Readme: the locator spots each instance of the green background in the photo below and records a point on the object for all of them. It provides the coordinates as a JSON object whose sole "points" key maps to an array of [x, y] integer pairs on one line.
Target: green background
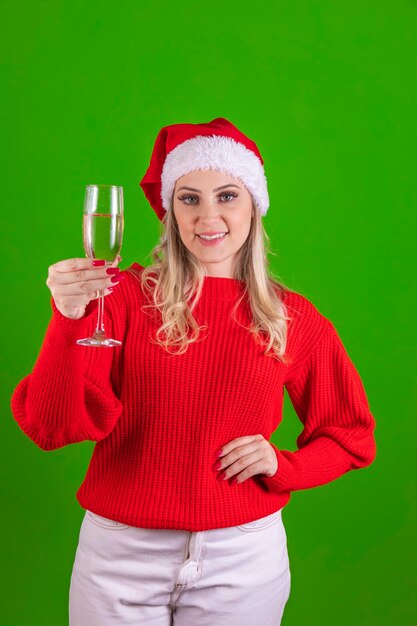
{"points": [[328, 92]]}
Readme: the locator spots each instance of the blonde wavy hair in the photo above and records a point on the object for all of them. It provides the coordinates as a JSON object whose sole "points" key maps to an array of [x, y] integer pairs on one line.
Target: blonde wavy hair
{"points": [[174, 283]]}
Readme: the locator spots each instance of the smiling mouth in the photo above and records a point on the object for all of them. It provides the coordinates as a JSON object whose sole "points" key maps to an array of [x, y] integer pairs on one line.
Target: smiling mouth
{"points": [[212, 237]]}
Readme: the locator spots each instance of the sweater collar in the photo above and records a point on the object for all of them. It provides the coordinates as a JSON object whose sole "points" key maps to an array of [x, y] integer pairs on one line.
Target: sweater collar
{"points": [[220, 288], [217, 288]]}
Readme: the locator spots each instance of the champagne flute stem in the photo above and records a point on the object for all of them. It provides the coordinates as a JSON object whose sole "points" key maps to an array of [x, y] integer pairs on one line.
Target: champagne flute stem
{"points": [[100, 321]]}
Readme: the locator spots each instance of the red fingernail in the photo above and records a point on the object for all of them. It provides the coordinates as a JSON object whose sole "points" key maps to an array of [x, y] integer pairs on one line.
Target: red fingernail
{"points": [[117, 277], [111, 288], [112, 270], [98, 263]]}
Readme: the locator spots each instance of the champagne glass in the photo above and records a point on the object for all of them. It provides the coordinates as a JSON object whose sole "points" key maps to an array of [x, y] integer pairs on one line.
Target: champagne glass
{"points": [[102, 237]]}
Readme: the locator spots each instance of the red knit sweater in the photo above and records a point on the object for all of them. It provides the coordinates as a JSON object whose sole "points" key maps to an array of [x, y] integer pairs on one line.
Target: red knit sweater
{"points": [[159, 419]]}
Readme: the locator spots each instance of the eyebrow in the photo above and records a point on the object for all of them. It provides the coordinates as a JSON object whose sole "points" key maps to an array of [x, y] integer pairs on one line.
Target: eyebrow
{"points": [[217, 189]]}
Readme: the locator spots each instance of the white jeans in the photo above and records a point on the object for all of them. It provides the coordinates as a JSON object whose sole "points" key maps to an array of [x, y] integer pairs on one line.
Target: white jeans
{"points": [[125, 575]]}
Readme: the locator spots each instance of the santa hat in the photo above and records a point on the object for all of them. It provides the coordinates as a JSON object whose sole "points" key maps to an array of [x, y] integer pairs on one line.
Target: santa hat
{"points": [[217, 145]]}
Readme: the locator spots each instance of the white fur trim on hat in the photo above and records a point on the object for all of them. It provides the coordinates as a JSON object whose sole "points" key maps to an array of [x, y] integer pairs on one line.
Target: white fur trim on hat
{"points": [[219, 153]]}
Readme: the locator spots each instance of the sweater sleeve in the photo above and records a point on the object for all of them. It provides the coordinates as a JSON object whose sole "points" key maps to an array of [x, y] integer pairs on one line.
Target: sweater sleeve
{"points": [[329, 398], [68, 397]]}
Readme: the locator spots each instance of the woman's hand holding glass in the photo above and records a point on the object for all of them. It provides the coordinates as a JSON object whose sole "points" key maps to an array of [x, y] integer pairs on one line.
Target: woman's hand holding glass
{"points": [[75, 282]]}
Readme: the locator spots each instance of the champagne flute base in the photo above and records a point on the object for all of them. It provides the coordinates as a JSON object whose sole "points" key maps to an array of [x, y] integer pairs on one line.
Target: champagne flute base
{"points": [[99, 340]]}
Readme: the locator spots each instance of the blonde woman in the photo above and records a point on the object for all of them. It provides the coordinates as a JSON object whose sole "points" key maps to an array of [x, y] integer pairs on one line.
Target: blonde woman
{"points": [[184, 493]]}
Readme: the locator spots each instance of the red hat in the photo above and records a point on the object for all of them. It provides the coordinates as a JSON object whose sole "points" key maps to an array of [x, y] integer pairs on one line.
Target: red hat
{"points": [[218, 145]]}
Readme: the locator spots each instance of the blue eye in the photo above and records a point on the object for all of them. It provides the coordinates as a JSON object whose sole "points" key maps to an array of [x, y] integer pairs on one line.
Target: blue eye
{"points": [[185, 197]]}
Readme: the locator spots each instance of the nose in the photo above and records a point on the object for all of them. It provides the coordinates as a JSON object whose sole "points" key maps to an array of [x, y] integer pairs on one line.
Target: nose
{"points": [[209, 212]]}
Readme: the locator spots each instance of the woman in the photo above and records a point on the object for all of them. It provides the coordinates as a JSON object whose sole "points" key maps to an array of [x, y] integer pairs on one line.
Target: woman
{"points": [[175, 532]]}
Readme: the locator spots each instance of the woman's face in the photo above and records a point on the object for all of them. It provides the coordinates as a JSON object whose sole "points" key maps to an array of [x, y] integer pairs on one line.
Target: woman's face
{"points": [[207, 201]]}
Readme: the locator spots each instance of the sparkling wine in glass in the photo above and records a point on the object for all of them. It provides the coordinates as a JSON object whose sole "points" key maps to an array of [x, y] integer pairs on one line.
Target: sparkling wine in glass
{"points": [[102, 238]]}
